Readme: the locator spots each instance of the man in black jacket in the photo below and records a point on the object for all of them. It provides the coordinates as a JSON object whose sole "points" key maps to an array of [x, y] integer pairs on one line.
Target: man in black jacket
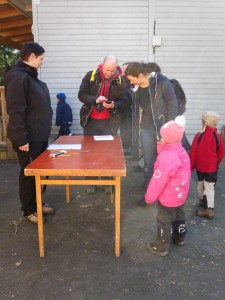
{"points": [[103, 94], [30, 117]]}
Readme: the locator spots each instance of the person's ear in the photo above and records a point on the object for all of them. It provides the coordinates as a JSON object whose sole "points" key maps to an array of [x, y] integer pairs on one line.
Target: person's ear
{"points": [[141, 76], [32, 57]]}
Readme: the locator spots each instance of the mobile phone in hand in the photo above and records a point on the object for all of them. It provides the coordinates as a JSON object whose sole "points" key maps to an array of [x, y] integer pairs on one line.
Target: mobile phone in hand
{"points": [[108, 101]]}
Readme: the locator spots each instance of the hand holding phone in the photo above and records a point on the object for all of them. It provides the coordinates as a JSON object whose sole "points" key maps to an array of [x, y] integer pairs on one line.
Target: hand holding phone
{"points": [[108, 101]]}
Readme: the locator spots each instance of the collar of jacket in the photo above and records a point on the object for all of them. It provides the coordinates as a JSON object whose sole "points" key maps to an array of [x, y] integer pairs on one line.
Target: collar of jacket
{"points": [[162, 146], [20, 65]]}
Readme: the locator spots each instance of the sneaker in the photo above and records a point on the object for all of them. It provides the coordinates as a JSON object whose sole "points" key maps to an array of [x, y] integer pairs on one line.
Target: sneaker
{"points": [[155, 249], [32, 218], [207, 213], [47, 210], [142, 202], [91, 189]]}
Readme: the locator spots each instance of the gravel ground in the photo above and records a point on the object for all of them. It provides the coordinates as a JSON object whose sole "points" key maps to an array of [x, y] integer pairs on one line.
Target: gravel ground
{"points": [[79, 262]]}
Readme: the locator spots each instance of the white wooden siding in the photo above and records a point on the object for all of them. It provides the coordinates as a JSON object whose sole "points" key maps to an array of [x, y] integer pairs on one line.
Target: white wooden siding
{"points": [[192, 51], [77, 35]]}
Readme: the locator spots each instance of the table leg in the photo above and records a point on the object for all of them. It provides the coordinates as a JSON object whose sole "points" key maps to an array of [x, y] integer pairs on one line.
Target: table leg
{"points": [[117, 217], [40, 216], [67, 191], [112, 194]]}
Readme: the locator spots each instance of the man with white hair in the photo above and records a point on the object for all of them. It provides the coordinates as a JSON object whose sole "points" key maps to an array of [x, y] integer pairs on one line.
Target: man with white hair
{"points": [[103, 94]]}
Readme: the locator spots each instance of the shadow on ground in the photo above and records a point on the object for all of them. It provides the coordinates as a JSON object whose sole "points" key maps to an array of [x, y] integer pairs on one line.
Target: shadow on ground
{"points": [[79, 243]]}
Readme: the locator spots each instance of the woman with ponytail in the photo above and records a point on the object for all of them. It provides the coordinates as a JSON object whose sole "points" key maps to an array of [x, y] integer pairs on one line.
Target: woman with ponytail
{"points": [[156, 97]]}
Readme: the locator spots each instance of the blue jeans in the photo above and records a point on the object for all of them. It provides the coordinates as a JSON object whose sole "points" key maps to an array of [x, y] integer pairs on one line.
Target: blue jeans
{"points": [[149, 148]]}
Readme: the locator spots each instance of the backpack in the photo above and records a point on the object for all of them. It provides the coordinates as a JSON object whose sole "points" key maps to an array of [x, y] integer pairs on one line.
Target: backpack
{"points": [[215, 136], [181, 98]]}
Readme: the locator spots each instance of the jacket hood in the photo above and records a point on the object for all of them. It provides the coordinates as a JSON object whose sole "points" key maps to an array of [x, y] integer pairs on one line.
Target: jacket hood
{"points": [[161, 146], [19, 66]]}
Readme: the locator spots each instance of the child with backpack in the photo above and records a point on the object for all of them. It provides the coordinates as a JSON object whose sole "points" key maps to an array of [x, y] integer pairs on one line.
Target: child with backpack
{"points": [[64, 116], [206, 153]]}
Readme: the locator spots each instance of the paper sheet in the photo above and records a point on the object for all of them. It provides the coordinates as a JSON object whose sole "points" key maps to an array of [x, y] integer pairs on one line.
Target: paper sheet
{"points": [[103, 137], [64, 146]]}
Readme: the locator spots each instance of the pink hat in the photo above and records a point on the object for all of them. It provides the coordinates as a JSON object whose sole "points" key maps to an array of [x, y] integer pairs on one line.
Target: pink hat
{"points": [[172, 132]]}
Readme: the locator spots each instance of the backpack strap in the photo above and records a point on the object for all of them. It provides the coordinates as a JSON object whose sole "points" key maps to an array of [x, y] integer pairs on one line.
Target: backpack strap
{"points": [[93, 76], [215, 136]]}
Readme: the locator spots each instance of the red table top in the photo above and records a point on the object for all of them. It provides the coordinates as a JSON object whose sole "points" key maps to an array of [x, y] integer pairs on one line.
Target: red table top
{"points": [[96, 158]]}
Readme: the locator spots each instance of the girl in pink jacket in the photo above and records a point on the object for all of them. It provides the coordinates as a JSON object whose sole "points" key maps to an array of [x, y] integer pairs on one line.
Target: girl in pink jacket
{"points": [[170, 185]]}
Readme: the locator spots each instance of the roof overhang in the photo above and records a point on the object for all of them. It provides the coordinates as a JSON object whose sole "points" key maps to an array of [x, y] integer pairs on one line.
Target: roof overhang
{"points": [[15, 23]]}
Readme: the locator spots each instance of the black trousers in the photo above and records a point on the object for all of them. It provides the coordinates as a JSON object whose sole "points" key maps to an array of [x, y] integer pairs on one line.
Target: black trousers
{"points": [[97, 127], [170, 218], [64, 130], [27, 190]]}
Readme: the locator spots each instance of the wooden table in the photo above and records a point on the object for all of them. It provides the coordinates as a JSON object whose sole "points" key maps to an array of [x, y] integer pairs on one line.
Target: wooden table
{"points": [[96, 158]]}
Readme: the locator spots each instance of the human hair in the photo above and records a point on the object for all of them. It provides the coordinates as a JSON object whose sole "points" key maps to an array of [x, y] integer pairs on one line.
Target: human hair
{"points": [[153, 67], [135, 68], [125, 64], [29, 48], [111, 58]]}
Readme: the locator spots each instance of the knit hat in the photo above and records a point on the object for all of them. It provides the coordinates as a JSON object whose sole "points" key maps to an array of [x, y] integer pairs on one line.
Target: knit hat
{"points": [[172, 132], [61, 96], [210, 118]]}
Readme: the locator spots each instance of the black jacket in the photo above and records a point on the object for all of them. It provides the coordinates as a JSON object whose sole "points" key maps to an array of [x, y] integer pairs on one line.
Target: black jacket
{"points": [[88, 93], [163, 102], [28, 105]]}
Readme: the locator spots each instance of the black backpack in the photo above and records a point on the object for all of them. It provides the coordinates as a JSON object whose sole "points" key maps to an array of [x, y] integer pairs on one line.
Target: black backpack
{"points": [[181, 98]]}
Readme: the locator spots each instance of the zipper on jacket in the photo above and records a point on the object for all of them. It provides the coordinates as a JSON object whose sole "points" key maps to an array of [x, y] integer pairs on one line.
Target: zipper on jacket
{"points": [[150, 94], [87, 117]]}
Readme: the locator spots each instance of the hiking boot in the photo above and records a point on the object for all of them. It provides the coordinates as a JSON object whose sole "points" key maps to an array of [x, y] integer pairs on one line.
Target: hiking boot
{"points": [[207, 213], [142, 202], [47, 209], [91, 189], [32, 218], [159, 247]]}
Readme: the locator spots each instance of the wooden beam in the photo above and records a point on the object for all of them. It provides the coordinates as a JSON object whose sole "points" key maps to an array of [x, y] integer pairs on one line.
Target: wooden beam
{"points": [[19, 5], [15, 32], [3, 1], [9, 43], [24, 38], [28, 7], [15, 24], [7, 13]]}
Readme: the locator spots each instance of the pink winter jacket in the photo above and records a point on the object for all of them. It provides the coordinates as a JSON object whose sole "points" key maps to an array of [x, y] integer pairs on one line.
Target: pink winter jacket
{"points": [[171, 179]]}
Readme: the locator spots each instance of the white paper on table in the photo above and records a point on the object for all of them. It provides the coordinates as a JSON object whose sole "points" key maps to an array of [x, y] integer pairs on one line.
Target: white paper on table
{"points": [[64, 146], [103, 137]]}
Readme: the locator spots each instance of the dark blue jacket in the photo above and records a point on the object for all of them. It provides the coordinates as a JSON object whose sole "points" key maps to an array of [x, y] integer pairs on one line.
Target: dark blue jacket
{"points": [[64, 116]]}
